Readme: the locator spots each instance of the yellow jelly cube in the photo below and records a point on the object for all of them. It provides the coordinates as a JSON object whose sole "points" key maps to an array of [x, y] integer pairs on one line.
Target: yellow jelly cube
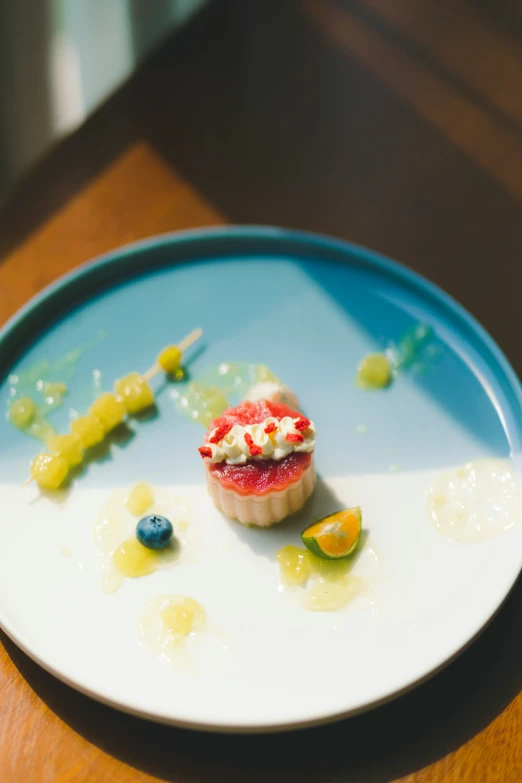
{"points": [[67, 446], [170, 358], [374, 372], [89, 429], [109, 409], [294, 565], [135, 392], [54, 389], [21, 412], [49, 470], [133, 559], [181, 616], [139, 499]]}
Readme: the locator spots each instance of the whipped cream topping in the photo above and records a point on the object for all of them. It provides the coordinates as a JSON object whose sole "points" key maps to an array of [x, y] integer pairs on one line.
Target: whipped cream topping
{"points": [[271, 439], [276, 392]]}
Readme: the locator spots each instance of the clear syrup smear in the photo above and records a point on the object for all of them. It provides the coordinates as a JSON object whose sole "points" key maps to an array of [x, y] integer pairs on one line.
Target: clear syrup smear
{"points": [[119, 554], [169, 626], [476, 502], [216, 388], [320, 585]]}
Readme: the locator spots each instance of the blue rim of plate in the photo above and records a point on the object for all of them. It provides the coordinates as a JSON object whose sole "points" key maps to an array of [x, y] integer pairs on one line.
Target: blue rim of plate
{"points": [[169, 249]]}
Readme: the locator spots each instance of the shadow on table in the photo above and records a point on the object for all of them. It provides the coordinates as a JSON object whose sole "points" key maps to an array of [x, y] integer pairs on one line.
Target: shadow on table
{"points": [[388, 742]]}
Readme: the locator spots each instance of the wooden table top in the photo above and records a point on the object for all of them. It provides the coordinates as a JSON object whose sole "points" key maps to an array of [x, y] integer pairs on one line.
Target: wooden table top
{"points": [[394, 125]]}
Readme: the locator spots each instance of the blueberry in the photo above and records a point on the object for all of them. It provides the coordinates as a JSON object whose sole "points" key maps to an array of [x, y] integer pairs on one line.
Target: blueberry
{"points": [[154, 531]]}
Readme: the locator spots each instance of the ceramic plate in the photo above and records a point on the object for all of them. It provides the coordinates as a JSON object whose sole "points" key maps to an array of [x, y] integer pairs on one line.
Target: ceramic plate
{"points": [[310, 308]]}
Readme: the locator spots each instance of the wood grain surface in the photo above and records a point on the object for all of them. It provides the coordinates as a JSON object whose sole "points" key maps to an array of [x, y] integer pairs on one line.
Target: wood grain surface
{"points": [[395, 125]]}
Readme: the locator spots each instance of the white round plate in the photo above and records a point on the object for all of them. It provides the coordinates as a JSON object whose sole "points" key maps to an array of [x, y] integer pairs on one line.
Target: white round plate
{"points": [[310, 308]]}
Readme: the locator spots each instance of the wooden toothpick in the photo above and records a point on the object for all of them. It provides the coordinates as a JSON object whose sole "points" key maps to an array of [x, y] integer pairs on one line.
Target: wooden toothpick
{"points": [[187, 341]]}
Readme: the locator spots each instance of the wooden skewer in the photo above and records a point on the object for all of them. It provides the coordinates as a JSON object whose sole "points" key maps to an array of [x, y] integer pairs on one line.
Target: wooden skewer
{"points": [[187, 341], [190, 339], [182, 345]]}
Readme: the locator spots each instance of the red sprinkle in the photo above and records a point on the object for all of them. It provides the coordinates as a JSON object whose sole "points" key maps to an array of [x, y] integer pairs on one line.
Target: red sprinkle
{"points": [[302, 423], [220, 433], [205, 451], [296, 437], [254, 450], [272, 427]]}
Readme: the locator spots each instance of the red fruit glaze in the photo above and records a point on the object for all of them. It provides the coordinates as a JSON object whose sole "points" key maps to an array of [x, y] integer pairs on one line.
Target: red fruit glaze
{"points": [[259, 478], [264, 476]]}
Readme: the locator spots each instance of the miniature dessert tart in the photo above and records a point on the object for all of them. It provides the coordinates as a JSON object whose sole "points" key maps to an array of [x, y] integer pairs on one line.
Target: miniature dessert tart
{"points": [[259, 462]]}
